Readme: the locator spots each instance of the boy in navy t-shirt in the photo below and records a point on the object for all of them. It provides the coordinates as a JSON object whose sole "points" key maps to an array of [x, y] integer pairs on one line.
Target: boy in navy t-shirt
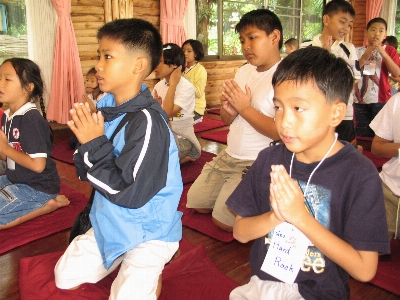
{"points": [[313, 204]]}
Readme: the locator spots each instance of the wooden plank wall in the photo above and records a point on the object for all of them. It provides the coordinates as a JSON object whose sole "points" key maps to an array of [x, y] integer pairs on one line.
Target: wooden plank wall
{"points": [[217, 72], [359, 24], [89, 15]]}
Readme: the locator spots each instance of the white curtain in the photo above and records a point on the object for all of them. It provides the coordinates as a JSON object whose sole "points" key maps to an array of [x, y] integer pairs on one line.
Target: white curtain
{"points": [[41, 18], [388, 12], [189, 22]]}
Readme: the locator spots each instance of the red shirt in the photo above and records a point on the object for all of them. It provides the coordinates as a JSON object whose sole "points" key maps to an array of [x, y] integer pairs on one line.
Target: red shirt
{"points": [[385, 91]]}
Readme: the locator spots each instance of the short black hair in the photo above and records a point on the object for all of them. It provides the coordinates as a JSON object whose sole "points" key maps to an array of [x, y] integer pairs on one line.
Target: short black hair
{"points": [[331, 74], [135, 35], [197, 48], [376, 20], [173, 55], [91, 71], [392, 41], [263, 19], [335, 6], [292, 42]]}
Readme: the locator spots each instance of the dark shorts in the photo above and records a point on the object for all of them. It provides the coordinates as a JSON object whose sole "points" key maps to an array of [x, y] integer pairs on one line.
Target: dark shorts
{"points": [[363, 115], [346, 131]]}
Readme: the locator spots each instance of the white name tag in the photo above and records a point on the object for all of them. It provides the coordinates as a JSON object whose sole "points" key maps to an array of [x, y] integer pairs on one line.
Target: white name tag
{"points": [[369, 67], [286, 253], [10, 162]]}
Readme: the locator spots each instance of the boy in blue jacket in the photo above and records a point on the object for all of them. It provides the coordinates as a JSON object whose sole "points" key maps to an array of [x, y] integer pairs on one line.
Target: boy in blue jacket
{"points": [[134, 214]]}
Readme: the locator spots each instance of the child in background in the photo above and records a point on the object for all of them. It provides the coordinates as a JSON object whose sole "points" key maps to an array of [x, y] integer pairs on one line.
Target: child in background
{"points": [[196, 74], [337, 18], [311, 192], [376, 62], [2, 162], [177, 97], [291, 45], [92, 90], [92, 96], [31, 184], [136, 177], [386, 143], [394, 82], [246, 104]]}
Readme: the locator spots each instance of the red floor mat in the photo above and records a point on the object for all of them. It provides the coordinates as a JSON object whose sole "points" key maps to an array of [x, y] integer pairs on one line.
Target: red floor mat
{"points": [[45, 225], [216, 136], [201, 222], [191, 271], [208, 124]]}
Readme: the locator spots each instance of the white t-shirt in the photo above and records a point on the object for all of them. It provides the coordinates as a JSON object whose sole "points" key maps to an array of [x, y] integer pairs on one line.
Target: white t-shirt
{"points": [[338, 51], [184, 97], [99, 97], [386, 125], [244, 142]]}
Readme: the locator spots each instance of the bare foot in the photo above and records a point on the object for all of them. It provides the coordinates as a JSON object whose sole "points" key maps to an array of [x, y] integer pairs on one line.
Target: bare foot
{"points": [[186, 159], [56, 203], [52, 205]]}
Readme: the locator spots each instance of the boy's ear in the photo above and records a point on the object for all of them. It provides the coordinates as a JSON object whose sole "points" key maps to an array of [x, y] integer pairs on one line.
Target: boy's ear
{"points": [[338, 113], [140, 64], [275, 36], [325, 20]]}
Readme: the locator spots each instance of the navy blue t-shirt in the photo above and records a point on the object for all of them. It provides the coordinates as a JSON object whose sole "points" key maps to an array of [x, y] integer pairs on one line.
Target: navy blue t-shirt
{"points": [[345, 195], [29, 133]]}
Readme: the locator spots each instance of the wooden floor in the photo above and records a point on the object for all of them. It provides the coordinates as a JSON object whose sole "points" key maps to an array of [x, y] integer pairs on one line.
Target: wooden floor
{"points": [[231, 258]]}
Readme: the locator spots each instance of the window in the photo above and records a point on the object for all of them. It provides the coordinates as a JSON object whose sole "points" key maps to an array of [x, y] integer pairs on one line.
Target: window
{"points": [[216, 20], [397, 22], [13, 31]]}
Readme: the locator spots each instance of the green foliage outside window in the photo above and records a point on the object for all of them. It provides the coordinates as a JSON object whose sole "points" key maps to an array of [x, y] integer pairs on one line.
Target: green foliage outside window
{"points": [[13, 41], [397, 26], [294, 15]]}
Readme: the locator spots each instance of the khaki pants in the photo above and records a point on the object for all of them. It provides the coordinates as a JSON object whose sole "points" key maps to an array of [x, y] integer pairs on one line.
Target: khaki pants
{"points": [[392, 205], [218, 179]]}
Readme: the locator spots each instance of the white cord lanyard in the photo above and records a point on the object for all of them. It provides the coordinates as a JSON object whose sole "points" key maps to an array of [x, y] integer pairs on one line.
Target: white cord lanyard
{"points": [[313, 171]]}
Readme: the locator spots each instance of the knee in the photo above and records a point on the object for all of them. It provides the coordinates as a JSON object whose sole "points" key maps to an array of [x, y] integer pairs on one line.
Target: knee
{"points": [[223, 226], [203, 210]]}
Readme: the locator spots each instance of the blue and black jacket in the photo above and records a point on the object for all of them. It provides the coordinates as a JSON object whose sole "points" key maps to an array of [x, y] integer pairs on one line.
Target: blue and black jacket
{"points": [[136, 177]]}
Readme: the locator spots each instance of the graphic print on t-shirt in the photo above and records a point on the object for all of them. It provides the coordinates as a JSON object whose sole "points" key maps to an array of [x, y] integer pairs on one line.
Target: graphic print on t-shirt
{"points": [[317, 201]]}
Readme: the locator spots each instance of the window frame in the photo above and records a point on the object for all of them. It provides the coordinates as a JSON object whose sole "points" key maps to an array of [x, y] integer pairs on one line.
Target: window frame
{"points": [[220, 24]]}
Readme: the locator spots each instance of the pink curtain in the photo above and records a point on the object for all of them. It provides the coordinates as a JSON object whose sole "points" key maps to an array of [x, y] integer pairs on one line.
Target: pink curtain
{"points": [[373, 9], [67, 83], [172, 14]]}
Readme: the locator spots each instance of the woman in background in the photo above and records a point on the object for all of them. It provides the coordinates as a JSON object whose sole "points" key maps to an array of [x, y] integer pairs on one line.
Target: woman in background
{"points": [[196, 74]]}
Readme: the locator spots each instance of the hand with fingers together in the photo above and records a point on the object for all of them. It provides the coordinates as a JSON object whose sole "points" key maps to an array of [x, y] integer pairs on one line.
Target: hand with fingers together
{"points": [[327, 44], [175, 76], [234, 95], [157, 97], [227, 107], [286, 197], [84, 125]]}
